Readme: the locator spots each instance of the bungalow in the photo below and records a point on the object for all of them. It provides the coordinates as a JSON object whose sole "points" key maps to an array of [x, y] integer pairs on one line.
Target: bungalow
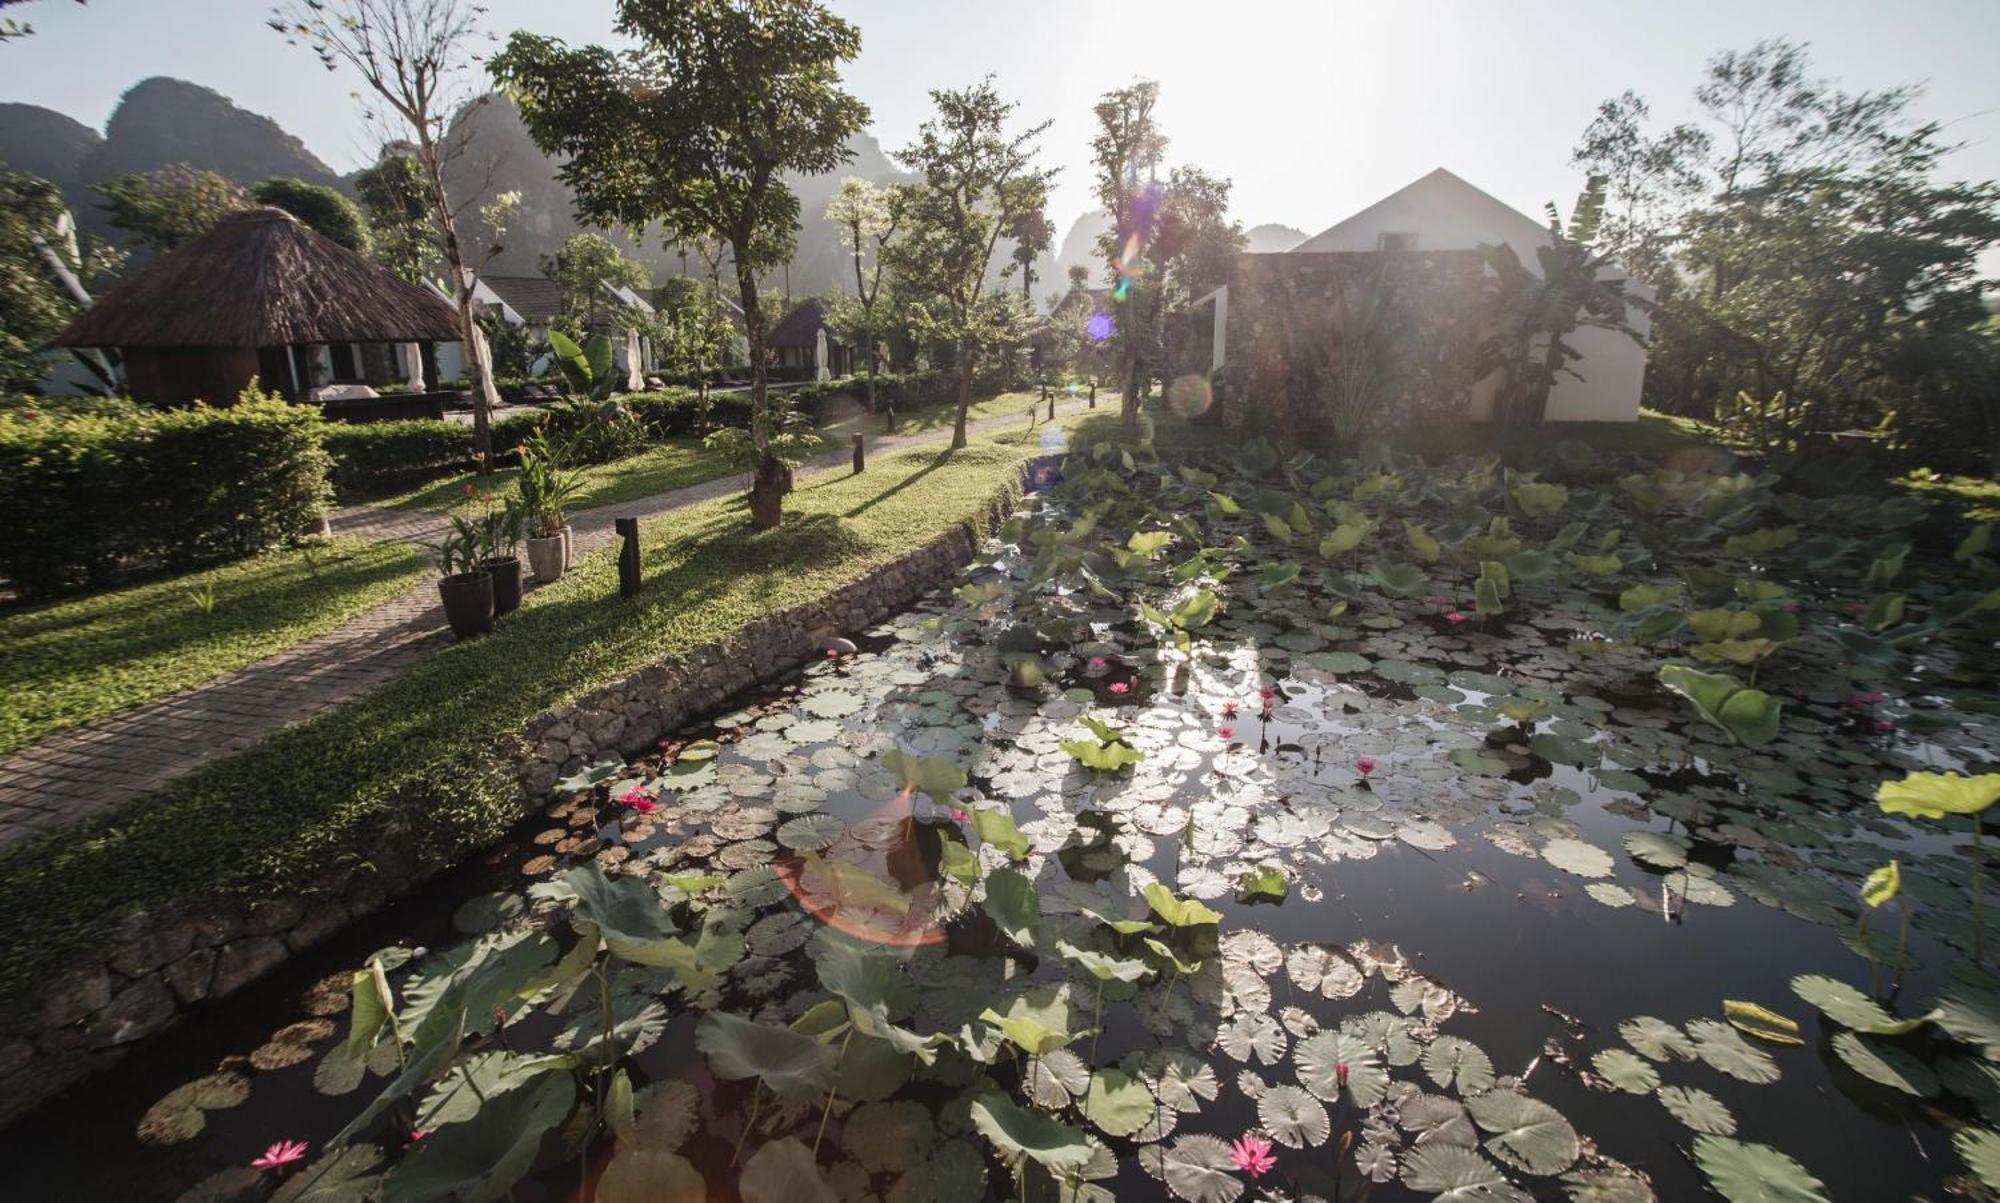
{"points": [[1437, 224], [534, 301], [802, 343]]}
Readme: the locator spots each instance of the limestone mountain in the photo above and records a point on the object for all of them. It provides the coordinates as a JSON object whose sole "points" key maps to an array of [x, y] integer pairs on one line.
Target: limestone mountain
{"points": [[1271, 238]]}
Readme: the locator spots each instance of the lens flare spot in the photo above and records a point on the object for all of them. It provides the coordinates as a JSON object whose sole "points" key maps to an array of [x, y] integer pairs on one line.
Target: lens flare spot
{"points": [[1099, 327], [1190, 396]]}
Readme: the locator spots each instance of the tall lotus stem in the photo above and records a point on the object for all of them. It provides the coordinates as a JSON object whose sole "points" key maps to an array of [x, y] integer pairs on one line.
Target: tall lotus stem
{"points": [[832, 1090], [756, 1101], [1978, 895]]}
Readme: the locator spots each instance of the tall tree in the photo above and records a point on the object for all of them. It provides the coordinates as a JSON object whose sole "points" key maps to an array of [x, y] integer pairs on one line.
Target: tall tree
{"points": [[867, 217], [398, 206], [415, 57], [972, 174], [695, 129], [585, 266], [42, 273], [325, 211], [1127, 149], [166, 208], [1799, 234]]}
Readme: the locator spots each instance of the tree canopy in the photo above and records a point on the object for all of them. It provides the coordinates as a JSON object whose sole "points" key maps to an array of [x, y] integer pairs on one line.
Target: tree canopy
{"points": [[326, 211], [167, 208]]}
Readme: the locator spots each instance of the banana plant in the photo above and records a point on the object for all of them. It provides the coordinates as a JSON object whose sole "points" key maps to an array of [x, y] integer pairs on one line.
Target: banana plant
{"points": [[586, 369]]}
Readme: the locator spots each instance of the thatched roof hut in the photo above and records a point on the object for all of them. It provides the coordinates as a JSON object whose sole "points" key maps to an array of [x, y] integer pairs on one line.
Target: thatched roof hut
{"points": [[252, 297]]}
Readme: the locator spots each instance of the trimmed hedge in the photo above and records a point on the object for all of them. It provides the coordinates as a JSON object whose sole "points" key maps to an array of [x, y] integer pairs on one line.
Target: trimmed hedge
{"points": [[90, 496], [380, 454]]}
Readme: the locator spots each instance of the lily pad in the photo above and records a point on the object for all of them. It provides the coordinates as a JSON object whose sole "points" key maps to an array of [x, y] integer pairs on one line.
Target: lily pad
{"points": [[1626, 1071], [1293, 1117], [1755, 1173], [1721, 1048], [1453, 1174], [1528, 1134], [1452, 1062], [1883, 1064], [1196, 1168], [1578, 857], [1698, 1109], [784, 1171]]}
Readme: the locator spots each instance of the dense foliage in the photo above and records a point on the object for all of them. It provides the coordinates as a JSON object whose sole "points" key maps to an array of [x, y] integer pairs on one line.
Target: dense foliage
{"points": [[325, 210], [88, 497], [1817, 270]]}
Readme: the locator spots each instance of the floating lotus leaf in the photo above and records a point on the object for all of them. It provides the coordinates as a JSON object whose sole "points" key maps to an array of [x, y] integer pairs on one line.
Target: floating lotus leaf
{"points": [[1196, 1168], [1626, 1071], [1293, 1118], [1018, 1131], [1454, 1063], [1037, 1020], [591, 776], [1755, 1173], [953, 1172], [1319, 1060], [1266, 882], [645, 1175], [889, 1137], [626, 912], [481, 1158], [1698, 1109], [1656, 1038], [1056, 1077], [1885, 1064], [1578, 857], [834, 703], [811, 832], [1437, 1119], [1253, 1034], [1117, 1103], [1610, 893], [784, 1171], [1971, 1017], [1979, 1148], [1721, 1048], [1103, 967], [1453, 1174], [1747, 716], [1761, 1022], [1527, 1133], [1660, 850]]}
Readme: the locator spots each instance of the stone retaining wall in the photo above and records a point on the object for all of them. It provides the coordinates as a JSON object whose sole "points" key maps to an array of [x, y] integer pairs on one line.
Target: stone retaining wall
{"points": [[163, 967]]}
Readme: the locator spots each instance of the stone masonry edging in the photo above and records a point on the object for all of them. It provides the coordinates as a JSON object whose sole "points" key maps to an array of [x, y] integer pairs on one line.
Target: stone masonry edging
{"points": [[162, 968]]}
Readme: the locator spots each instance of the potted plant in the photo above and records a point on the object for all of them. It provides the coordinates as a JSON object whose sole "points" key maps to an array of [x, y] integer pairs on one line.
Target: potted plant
{"points": [[465, 588], [500, 530], [545, 490]]}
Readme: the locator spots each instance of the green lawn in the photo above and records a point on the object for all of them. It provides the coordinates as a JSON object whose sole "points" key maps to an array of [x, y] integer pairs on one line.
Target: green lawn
{"points": [[68, 662], [674, 464], [414, 756], [1005, 405]]}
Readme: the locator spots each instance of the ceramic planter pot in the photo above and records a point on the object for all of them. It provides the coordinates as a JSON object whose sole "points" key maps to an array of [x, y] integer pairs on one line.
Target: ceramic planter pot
{"points": [[468, 603], [506, 572], [546, 558]]}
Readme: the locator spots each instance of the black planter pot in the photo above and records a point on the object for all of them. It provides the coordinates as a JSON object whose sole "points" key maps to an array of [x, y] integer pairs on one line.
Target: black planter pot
{"points": [[468, 603], [506, 572]]}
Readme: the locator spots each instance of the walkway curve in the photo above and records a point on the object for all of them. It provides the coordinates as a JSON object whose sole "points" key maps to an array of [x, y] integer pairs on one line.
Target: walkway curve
{"points": [[96, 768]]}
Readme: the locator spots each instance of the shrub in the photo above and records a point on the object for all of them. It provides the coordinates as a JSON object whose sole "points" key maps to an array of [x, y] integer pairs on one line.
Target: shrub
{"points": [[89, 496], [372, 454]]}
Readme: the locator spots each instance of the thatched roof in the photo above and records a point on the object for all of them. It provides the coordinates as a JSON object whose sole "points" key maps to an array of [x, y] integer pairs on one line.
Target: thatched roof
{"points": [[260, 278], [801, 327]]}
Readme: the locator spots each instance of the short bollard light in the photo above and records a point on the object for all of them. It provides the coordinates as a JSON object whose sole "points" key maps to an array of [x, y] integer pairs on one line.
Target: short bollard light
{"points": [[860, 456], [628, 557]]}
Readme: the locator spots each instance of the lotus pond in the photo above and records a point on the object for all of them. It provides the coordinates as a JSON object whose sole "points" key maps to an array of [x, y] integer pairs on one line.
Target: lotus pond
{"points": [[1239, 828]]}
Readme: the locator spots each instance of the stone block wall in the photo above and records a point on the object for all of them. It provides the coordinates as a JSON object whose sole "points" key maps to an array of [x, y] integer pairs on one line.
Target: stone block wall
{"points": [[162, 968]]}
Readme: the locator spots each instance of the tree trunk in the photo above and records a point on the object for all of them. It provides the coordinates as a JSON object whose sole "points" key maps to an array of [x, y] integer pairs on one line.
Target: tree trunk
{"points": [[772, 479], [1128, 407], [478, 362], [874, 361], [965, 354]]}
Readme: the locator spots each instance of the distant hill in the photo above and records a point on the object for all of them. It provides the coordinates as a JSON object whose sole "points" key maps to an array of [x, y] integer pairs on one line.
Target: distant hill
{"points": [[157, 122], [1079, 246], [43, 142], [1271, 238]]}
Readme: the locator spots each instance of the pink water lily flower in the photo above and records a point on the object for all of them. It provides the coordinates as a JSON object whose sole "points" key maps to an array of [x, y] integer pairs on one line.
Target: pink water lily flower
{"points": [[1340, 1075], [1226, 732], [833, 653], [1118, 687], [280, 1155], [958, 815], [1883, 724], [1364, 765], [1252, 1154], [1229, 710], [1454, 617], [1268, 692], [1097, 664]]}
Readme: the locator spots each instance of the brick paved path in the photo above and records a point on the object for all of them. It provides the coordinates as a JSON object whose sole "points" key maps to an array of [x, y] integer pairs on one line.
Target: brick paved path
{"points": [[99, 766]]}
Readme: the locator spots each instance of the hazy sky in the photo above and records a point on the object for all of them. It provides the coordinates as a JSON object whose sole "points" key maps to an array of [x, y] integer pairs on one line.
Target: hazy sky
{"points": [[1312, 107]]}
